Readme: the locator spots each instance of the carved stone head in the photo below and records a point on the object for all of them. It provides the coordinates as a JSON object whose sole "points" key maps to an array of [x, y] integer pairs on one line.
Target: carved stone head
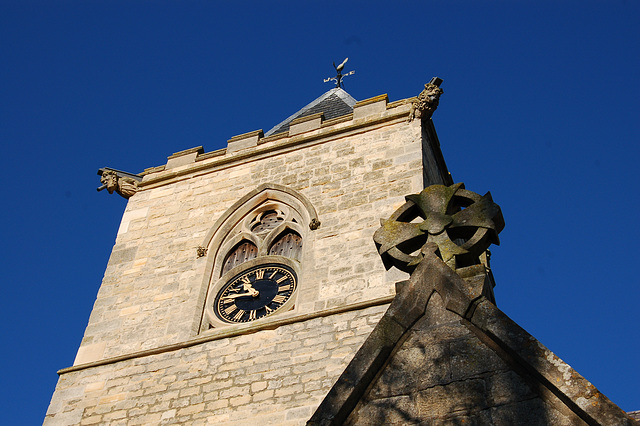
{"points": [[110, 179]]}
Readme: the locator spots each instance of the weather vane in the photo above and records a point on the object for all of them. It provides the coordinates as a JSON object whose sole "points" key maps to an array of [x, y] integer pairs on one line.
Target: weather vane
{"points": [[339, 76]]}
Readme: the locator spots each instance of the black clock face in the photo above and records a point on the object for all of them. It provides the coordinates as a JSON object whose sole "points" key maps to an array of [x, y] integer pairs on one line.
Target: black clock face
{"points": [[255, 293]]}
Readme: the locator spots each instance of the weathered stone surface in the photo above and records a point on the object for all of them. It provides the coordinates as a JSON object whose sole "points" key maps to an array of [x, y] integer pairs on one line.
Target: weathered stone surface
{"points": [[399, 410], [532, 412], [505, 387], [459, 397], [286, 370], [483, 371]]}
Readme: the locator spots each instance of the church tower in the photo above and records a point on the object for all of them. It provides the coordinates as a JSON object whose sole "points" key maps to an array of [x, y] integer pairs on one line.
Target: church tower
{"points": [[243, 280], [245, 288]]}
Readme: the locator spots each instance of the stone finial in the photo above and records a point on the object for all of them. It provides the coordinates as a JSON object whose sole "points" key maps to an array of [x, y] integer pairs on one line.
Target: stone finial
{"points": [[461, 223], [123, 183], [427, 101]]}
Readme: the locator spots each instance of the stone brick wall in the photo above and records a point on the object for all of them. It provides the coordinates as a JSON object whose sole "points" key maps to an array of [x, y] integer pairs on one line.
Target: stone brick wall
{"points": [[152, 292], [443, 374], [143, 359], [271, 376]]}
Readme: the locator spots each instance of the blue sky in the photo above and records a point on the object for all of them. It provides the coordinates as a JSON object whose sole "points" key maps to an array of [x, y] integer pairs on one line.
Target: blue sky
{"points": [[540, 107]]}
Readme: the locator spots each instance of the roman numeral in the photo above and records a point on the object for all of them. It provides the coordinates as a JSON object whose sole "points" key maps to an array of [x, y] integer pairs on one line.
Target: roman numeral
{"points": [[268, 309], [273, 275], [239, 315], [279, 298], [245, 280], [259, 274], [284, 287], [279, 280], [230, 309], [252, 315]]}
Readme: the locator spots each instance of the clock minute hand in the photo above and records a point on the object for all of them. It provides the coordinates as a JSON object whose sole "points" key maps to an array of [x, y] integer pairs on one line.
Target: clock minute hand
{"points": [[235, 296]]}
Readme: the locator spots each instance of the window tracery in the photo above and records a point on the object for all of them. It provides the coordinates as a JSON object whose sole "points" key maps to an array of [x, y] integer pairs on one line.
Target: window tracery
{"points": [[265, 229]]}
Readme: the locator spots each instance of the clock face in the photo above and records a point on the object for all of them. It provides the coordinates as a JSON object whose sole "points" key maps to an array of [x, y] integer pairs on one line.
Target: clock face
{"points": [[255, 293]]}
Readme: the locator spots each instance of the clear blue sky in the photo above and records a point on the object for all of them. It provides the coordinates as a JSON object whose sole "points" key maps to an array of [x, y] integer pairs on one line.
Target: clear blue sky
{"points": [[540, 106]]}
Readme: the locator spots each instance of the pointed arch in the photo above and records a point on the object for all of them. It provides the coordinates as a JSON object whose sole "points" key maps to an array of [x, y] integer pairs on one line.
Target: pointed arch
{"points": [[263, 193], [277, 233], [243, 251], [270, 222]]}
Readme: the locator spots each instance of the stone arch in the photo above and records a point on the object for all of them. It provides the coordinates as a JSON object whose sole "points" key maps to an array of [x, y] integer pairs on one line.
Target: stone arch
{"points": [[295, 215], [264, 197]]}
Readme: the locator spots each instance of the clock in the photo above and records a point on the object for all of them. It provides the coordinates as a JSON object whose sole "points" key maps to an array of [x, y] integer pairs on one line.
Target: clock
{"points": [[255, 293]]}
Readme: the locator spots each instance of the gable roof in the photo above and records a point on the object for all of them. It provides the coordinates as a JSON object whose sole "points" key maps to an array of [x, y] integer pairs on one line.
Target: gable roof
{"points": [[441, 355], [334, 103]]}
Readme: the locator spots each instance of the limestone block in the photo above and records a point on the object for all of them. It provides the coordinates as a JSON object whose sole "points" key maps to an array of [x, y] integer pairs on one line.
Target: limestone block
{"points": [[244, 141], [369, 107], [305, 124], [183, 157], [90, 353]]}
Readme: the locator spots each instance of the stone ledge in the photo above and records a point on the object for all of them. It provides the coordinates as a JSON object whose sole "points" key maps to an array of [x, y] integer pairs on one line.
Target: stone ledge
{"points": [[232, 331]]}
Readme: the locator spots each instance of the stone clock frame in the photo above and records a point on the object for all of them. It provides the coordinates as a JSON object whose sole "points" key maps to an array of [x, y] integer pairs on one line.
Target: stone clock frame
{"points": [[210, 315], [236, 225]]}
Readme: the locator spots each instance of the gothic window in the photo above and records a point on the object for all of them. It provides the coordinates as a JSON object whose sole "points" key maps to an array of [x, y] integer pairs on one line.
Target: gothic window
{"points": [[271, 229], [254, 249]]}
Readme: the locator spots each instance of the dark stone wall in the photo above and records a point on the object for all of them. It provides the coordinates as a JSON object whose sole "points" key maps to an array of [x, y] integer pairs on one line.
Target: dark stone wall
{"points": [[443, 374]]}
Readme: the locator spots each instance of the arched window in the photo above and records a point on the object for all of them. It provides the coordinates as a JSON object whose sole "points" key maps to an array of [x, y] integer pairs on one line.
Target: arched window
{"points": [[260, 237]]}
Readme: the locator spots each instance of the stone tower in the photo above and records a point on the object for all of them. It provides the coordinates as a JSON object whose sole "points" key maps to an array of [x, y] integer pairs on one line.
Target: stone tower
{"points": [[244, 281], [175, 337]]}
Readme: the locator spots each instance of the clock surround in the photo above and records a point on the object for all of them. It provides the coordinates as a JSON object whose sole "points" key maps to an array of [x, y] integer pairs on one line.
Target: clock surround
{"points": [[233, 299]]}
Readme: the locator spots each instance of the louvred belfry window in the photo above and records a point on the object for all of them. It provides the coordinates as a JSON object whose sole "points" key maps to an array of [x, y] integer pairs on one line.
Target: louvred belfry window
{"points": [[289, 245], [272, 229], [243, 252]]}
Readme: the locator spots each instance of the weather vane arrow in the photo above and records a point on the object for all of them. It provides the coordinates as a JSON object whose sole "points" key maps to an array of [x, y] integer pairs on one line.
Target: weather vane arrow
{"points": [[338, 78]]}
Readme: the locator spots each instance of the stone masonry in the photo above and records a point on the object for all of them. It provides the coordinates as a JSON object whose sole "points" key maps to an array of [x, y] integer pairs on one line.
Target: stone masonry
{"points": [[269, 377], [144, 358]]}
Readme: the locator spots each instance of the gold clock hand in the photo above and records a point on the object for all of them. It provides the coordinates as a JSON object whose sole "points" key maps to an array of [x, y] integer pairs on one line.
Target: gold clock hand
{"points": [[235, 296], [254, 293]]}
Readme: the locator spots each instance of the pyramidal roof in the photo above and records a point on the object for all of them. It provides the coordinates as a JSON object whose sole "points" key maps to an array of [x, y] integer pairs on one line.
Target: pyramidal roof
{"points": [[334, 103]]}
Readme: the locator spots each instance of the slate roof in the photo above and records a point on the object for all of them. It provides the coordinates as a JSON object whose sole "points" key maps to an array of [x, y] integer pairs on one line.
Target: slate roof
{"points": [[334, 103]]}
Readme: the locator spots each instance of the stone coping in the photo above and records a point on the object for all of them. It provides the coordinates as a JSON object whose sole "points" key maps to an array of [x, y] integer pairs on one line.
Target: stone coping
{"points": [[197, 149], [373, 100], [247, 135], [232, 331], [219, 159], [307, 118], [283, 135]]}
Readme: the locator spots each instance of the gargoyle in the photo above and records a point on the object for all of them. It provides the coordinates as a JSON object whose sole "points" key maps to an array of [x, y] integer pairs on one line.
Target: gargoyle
{"points": [[125, 184], [427, 101]]}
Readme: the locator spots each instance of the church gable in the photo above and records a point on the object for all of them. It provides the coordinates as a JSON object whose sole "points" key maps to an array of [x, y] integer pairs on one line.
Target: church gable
{"points": [[443, 352]]}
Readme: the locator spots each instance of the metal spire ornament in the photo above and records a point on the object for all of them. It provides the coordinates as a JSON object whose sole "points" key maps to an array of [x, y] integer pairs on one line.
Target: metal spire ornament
{"points": [[339, 76]]}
